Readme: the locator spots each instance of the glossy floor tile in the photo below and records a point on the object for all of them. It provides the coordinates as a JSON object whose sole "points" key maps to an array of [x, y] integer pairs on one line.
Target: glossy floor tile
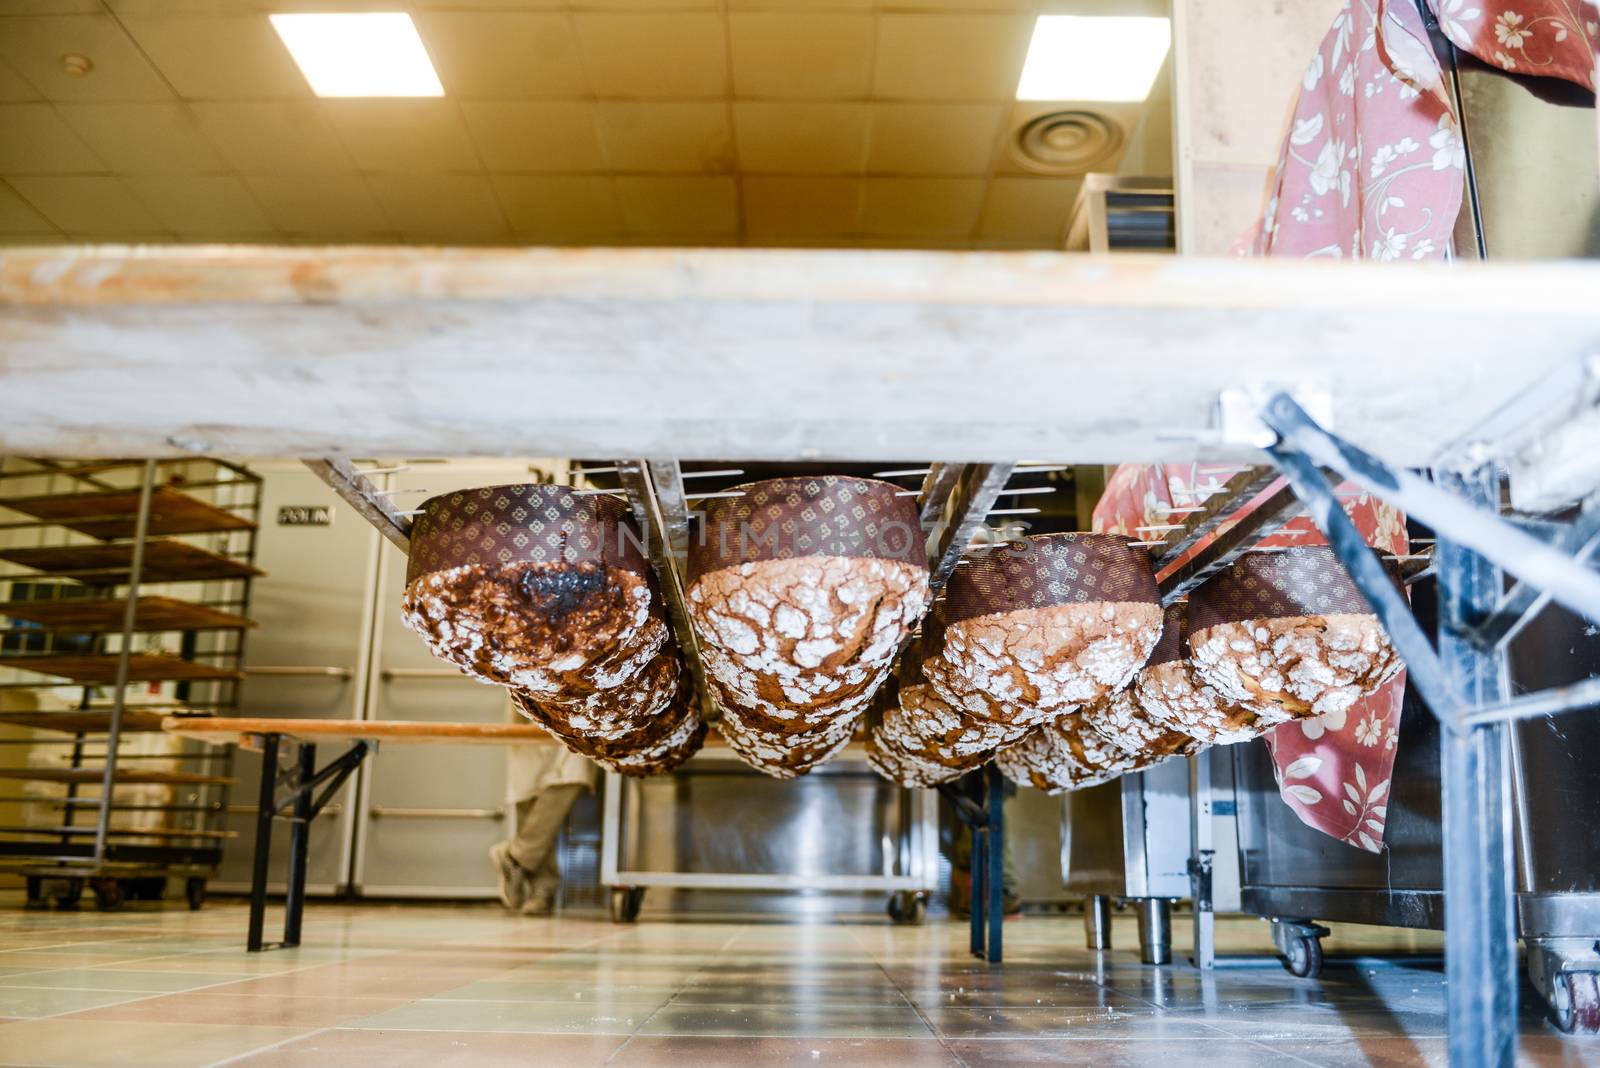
{"points": [[427, 986]]}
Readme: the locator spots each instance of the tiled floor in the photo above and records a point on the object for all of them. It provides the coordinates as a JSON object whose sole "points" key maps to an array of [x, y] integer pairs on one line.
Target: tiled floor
{"points": [[442, 986]]}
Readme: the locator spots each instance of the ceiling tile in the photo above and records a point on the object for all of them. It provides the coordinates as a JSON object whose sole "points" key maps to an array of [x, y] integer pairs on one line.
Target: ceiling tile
{"points": [[144, 138], [933, 138], [204, 207], [780, 54], [663, 207], [792, 137], [331, 206], [649, 56], [18, 217], [13, 87], [220, 57], [34, 47], [564, 209], [555, 136], [809, 6], [682, 136], [921, 207], [1029, 209], [1077, 7], [34, 140], [273, 136], [503, 54], [403, 136], [81, 204], [781, 206], [441, 209], [950, 57]]}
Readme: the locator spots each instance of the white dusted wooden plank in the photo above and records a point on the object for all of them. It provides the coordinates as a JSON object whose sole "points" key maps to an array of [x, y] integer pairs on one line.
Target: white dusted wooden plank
{"points": [[749, 354]]}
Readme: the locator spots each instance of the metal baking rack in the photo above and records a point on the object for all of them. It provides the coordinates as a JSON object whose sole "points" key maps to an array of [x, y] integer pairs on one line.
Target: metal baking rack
{"points": [[76, 610]]}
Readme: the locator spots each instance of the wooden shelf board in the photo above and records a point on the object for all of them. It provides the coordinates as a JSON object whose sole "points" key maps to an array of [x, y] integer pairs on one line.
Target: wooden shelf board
{"points": [[221, 730], [114, 515], [77, 722], [76, 615], [172, 833], [107, 565], [102, 668], [91, 776]]}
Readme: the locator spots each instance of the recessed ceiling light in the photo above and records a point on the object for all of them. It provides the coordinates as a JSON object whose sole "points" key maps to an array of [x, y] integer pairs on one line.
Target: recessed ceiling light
{"points": [[376, 53], [1075, 57]]}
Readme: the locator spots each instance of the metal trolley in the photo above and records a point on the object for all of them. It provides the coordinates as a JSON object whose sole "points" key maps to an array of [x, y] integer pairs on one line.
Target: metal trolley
{"points": [[83, 619], [716, 825]]}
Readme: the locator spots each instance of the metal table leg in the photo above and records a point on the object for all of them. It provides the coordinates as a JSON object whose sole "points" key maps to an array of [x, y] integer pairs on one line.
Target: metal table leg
{"points": [[1480, 925], [995, 883], [1097, 922], [266, 808], [1155, 930], [299, 848]]}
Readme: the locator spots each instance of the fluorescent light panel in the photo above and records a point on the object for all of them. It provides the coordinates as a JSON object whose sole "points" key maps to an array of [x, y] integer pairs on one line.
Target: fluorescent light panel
{"points": [[1075, 57], [373, 53]]}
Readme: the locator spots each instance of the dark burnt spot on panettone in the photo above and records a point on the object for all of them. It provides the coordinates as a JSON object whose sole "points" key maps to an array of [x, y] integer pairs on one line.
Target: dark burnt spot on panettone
{"points": [[556, 593]]}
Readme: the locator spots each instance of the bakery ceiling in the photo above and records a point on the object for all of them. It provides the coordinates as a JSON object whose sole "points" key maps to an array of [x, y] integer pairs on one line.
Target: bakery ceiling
{"points": [[848, 123]]}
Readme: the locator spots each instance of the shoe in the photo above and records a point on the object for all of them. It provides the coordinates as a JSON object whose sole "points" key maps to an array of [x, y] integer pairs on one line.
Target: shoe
{"points": [[513, 880], [539, 904]]}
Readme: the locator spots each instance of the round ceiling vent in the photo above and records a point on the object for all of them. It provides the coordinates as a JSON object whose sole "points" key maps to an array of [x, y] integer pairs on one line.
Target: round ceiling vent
{"points": [[1068, 142]]}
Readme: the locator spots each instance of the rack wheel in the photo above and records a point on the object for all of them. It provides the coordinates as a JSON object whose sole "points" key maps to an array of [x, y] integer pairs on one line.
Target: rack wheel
{"points": [[907, 906], [195, 891], [36, 898], [68, 893], [108, 895], [625, 903], [1575, 1003], [1303, 958]]}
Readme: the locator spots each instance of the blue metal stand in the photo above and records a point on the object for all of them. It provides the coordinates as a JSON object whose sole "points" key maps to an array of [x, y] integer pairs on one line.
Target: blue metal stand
{"points": [[979, 802], [1462, 678]]}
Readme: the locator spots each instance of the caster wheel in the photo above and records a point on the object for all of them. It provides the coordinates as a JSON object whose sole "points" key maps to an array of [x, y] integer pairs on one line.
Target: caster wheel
{"points": [[907, 907], [109, 895], [1575, 1004], [625, 903], [195, 891], [69, 894], [36, 899], [1304, 957]]}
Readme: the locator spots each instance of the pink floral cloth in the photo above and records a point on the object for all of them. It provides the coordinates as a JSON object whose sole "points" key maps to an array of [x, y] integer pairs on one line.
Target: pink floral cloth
{"points": [[1333, 770], [1374, 161], [1373, 168], [1552, 38]]}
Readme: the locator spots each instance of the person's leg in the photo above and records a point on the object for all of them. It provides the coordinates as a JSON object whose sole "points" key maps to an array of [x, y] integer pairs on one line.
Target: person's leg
{"points": [[513, 880], [534, 848]]}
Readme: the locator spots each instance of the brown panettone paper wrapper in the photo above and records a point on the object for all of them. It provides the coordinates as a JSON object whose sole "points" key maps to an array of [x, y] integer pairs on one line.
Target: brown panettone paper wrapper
{"points": [[1288, 632], [1171, 693], [527, 585], [818, 516]]}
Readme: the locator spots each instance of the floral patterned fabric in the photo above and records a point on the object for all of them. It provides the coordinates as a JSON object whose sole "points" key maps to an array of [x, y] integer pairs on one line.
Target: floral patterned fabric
{"points": [[1551, 38], [1333, 770], [1374, 163], [1373, 168]]}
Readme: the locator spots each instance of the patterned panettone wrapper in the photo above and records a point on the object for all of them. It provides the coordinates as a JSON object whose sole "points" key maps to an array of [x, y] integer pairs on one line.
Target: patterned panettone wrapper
{"points": [[1174, 641], [822, 515], [1045, 570], [497, 526], [1280, 584]]}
